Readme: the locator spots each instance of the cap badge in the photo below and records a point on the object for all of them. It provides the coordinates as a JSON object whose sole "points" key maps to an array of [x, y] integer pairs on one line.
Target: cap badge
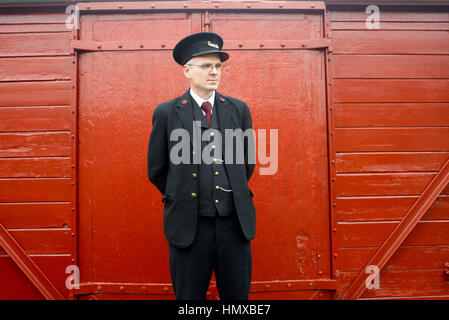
{"points": [[211, 44]]}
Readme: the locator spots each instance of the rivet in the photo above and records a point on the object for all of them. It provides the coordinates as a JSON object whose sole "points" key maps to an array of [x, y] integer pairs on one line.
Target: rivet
{"points": [[332, 133], [312, 6], [334, 205], [143, 289], [303, 45], [280, 6], [72, 235], [120, 45], [282, 45], [267, 286], [333, 179], [320, 272], [335, 254], [153, 6], [88, 7], [120, 6], [240, 45], [248, 6], [165, 289], [141, 45], [73, 61], [318, 256], [310, 284], [99, 47], [73, 166], [73, 137], [333, 161], [122, 288], [185, 5], [216, 6], [289, 285], [335, 229], [99, 288], [163, 45]]}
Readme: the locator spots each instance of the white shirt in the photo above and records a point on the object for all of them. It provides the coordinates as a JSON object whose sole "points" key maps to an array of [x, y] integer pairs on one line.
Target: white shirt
{"points": [[200, 100]]}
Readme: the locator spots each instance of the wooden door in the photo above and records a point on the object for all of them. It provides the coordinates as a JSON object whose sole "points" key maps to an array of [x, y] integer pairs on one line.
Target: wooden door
{"points": [[127, 71]]}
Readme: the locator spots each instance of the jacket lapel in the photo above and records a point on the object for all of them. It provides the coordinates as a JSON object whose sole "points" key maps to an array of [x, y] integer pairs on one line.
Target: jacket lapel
{"points": [[185, 114]]}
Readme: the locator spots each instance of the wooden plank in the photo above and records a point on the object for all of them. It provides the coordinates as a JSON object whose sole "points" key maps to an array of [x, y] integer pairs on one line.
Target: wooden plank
{"points": [[386, 208], [390, 66], [36, 167], [363, 184], [15, 17], [392, 139], [409, 14], [405, 258], [36, 68], [35, 93], [35, 44], [36, 215], [390, 42], [404, 283], [17, 287], [43, 241], [390, 161], [35, 144], [35, 118], [373, 234], [403, 25], [391, 90], [40, 189], [391, 114], [33, 28]]}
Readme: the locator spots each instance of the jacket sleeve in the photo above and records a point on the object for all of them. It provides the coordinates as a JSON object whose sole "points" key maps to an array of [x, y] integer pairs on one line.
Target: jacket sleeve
{"points": [[249, 143], [158, 158]]}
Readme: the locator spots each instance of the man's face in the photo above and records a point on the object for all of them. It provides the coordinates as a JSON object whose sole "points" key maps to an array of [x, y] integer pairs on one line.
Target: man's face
{"points": [[203, 78]]}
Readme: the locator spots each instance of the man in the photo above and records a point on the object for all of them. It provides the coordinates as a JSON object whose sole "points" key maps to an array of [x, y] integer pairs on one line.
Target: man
{"points": [[209, 215]]}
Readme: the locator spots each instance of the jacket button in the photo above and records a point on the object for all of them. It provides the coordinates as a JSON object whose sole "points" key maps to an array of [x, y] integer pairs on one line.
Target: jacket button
{"points": [[193, 195], [217, 187], [217, 173], [216, 201], [212, 134], [194, 175]]}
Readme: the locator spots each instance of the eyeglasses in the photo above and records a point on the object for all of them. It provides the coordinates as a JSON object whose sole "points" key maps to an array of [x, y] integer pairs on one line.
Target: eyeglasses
{"points": [[208, 66]]}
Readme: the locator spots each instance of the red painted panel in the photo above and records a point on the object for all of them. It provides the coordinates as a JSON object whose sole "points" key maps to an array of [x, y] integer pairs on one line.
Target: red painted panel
{"points": [[35, 118], [36, 68], [34, 144], [43, 241], [36, 214], [386, 208], [406, 283], [391, 66], [390, 161], [406, 258], [390, 42], [392, 139], [36, 167], [35, 93], [38, 44], [392, 90], [369, 234], [38, 189]]}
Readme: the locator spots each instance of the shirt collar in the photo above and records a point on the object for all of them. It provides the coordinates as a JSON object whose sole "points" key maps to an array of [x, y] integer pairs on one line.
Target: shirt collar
{"points": [[200, 100]]}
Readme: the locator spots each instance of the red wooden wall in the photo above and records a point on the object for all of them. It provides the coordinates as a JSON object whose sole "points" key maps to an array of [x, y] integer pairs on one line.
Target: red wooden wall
{"points": [[391, 100], [389, 91], [36, 146]]}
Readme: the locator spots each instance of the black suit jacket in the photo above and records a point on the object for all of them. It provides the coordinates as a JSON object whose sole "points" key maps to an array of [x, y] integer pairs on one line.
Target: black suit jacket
{"points": [[176, 181]]}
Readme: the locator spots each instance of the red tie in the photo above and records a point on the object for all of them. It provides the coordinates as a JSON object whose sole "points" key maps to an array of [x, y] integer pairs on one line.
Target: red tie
{"points": [[207, 107]]}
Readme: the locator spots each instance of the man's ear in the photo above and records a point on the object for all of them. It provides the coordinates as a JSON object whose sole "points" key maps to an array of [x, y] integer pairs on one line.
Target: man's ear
{"points": [[186, 70]]}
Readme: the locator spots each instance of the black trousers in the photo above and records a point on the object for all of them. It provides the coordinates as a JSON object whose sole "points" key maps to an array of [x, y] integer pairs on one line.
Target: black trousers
{"points": [[219, 246]]}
